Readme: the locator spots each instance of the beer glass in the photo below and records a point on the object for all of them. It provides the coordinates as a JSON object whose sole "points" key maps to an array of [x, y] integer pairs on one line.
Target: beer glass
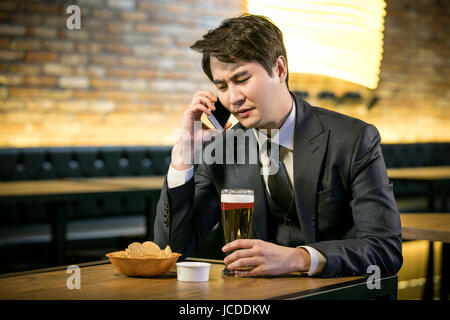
{"points": [[237, 213]]}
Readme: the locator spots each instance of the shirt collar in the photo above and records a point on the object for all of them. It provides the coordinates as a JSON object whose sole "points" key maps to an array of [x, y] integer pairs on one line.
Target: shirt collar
{"points": [[286, 132]]}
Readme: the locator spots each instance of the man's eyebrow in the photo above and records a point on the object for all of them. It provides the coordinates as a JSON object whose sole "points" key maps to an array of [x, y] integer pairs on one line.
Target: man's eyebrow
{"points": [[233, 78]]}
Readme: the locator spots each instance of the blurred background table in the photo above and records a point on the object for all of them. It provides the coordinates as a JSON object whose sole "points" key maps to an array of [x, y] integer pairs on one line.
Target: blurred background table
{"points": [[436, 178], [426, 226], [59, 192], [431, 227], [432, 175], [420, 173]]}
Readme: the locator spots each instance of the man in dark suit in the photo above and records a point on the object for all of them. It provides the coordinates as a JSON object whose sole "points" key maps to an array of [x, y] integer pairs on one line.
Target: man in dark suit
{"points": [[331, 212]]}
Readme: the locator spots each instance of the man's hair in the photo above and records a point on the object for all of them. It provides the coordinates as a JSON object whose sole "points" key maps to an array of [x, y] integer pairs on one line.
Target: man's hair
{"points": [[244, 38]]}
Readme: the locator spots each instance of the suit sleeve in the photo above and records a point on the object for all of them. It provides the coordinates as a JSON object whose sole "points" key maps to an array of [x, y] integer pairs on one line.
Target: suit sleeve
{"points": [[185, 214], [375, 215]]}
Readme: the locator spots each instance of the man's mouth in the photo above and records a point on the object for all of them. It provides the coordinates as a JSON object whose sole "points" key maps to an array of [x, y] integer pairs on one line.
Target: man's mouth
{"points": [[244, 112]]}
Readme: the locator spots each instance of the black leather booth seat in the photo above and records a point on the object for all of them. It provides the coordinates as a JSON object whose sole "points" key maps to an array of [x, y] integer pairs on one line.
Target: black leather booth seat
{"points": [[403, 155], [79, 162], [73, 162]]}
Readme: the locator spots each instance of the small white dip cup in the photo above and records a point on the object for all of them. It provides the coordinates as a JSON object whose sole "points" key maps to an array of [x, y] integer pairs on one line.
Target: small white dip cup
{"points": [[193, 271]]}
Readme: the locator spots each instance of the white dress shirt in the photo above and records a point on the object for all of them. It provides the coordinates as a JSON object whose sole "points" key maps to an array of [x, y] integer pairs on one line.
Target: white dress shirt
{"points": [[177, 178]]}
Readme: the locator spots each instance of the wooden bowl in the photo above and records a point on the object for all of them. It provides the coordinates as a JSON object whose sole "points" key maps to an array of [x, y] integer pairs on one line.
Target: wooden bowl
{"points": [[142, 267]]}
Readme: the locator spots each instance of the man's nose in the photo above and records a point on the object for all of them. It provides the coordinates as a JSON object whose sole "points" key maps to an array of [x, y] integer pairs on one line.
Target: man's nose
{"points": [[236, 97]]}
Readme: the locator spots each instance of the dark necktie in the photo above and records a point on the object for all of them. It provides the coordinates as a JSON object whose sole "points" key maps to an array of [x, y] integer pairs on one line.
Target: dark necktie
{"points": [[279, 185]]}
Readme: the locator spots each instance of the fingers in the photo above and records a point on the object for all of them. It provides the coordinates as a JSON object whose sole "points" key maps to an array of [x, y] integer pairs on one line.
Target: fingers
{"points": [[206, 102], [238, 254], [202, 102], [249, 262], [246, 254], [207, 94], [257, 271], [204, 97], [196, 108], [240, 244]]}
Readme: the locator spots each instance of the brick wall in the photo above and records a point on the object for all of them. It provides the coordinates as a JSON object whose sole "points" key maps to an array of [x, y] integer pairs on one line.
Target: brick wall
{"points": [[125, 77], [120, 80]]}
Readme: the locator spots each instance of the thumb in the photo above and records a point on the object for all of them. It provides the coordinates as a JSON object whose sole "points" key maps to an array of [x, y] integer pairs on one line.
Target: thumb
{"points": [[210, 133]]}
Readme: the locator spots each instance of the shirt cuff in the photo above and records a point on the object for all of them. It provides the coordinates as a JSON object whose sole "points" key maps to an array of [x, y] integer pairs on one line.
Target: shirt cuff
{"points": [[318, 261], [176, 178]]}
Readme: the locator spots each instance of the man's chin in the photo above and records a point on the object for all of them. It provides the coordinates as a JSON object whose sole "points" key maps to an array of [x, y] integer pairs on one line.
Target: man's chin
{"points": [[248, 123]]}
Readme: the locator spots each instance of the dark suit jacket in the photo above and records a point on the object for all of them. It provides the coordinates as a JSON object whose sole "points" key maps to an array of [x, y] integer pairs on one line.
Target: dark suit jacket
{"points": [[344, 198]]}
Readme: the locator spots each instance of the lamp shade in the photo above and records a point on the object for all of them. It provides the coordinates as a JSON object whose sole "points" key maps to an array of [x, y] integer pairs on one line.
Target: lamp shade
{"points": [[341, 39]]}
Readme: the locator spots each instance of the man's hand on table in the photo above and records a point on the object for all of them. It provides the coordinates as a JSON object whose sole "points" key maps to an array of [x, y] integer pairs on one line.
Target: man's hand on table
{"points": [[266, 258]]}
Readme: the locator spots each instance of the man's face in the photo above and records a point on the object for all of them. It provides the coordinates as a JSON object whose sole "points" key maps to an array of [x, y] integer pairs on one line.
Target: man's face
{"points": [[248, 92]]}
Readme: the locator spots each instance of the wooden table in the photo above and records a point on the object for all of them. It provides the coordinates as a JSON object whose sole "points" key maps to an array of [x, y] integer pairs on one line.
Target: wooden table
{"points": [[68, 187], [59, 192], [430, 175], [426, 226], [431, 227], [28, 189], [146, 183], [102, 281], [420, 173]]}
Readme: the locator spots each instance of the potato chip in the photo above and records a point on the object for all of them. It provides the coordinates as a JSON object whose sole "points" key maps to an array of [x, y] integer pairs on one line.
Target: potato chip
{"points": [[121, 254], [151, 248], [147, 249], [136, 250]]}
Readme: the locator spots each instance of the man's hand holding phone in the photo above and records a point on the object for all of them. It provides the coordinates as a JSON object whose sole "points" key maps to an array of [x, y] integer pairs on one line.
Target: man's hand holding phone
{"points": [[202, 102]]}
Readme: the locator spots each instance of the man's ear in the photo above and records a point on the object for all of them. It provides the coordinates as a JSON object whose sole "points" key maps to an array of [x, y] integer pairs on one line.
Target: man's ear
{"points": [[280, 68]]}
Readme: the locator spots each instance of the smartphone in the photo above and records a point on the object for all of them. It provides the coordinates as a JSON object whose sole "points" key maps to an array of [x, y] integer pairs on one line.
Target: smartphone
{"points": [[220, 116]]}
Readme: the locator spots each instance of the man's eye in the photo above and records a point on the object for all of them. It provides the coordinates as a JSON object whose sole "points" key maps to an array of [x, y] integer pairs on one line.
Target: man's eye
{"points": [[222, 88], [242, 80]]}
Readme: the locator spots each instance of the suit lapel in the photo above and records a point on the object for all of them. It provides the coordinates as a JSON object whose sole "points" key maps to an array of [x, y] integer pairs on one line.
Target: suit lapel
{"points": [[310, 144], [250, 177]]}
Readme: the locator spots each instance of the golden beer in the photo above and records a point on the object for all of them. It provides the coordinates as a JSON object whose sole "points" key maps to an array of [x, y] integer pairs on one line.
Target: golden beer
{"points": [[237, 213]]}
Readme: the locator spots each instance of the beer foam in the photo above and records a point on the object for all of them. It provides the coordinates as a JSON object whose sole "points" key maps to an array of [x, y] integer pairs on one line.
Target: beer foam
{"points": [[237, 198]]}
